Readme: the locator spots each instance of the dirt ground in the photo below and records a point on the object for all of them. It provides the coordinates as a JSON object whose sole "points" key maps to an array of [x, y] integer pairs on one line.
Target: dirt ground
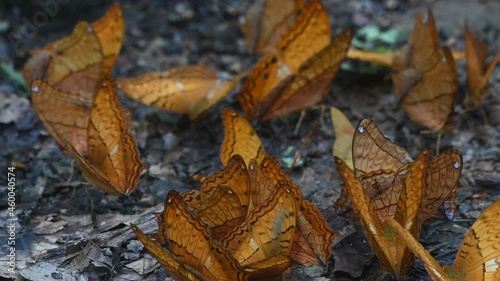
{"points": [[55, 239]]}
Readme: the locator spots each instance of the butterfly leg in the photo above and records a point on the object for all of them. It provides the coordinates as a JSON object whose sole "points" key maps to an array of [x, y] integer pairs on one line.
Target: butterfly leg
{"points": [[438, 142], [93, 216], [301, 118]]}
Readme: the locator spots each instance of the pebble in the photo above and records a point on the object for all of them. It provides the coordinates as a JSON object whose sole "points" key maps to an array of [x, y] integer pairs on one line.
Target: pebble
{"points": [[474, 214]]}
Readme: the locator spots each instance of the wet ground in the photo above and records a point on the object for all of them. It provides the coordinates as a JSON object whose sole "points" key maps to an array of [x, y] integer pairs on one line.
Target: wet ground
{"points": [[54, 234]]}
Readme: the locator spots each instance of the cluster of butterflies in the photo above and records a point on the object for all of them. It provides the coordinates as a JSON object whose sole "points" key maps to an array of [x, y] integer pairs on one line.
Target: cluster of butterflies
{"points": [[249, 220]]}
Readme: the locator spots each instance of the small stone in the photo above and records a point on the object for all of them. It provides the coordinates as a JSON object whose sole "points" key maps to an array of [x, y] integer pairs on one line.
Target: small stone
{"points": [[474, 214]]}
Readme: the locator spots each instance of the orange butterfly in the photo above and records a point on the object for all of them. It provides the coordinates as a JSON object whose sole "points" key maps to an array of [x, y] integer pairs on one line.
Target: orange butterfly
{"points": [[110, 159], [344, 132], [223, 200], [313, 239], [424, 76], [79, 62], [478, 72], [265, 22], [62, 126], [188, 90], [478, 257], [382, 167], [240, 138], [392, 253], [263, 243], [192, 252], [300, 75]]}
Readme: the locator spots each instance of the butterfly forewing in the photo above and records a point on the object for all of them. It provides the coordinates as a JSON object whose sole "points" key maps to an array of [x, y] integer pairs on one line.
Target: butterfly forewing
{"points": [[424, 76], [265, 22], [240, 138], [313, 239], [76, 64], [110, 30], [313, 81], [309, 35], [441, 184], [372, 151], [190, 240], [60, 124], [188, 90], [267, 235], [478, 72], [112, 147], [177, 269], [478, 258]]}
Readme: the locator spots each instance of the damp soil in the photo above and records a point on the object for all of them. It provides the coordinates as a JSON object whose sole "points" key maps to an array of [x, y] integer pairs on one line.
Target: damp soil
{"points": [[55, 236]]}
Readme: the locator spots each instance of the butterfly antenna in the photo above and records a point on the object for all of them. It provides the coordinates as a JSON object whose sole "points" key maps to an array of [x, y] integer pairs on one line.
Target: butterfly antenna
{"points": [[322, 118], [197, 176], [438, 142]]}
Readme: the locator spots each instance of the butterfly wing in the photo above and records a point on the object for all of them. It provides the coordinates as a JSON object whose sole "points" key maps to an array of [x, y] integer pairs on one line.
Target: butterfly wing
{"points": [[264, 84], [190, 241], [110, 30], [188, 90], [425, 77], [76, 63], [223, 199], [409, 209], [308, 35], [240, 138], [59, 123], [372, 151], [372, 225], [313, 240], [171, 263], [433, 268], [478, 258], [442, 181], [262, 245], [265, 22], [312, 82]]}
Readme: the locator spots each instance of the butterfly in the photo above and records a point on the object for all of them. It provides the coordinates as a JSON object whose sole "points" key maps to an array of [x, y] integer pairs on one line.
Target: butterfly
{"points": [[424, 76], [223, 200], [344, 132], [300, 75], [313, 239], [266, 21], [79, 62], [98, 138], [392, 253], [263, 243], [188, 90], [240, 138], [478, 257], [184, 246], [478, 72], [382, 167]]}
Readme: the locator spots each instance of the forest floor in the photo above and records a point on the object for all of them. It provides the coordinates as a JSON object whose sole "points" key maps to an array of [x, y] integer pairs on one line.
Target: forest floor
{"points": [[55, 239]]}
